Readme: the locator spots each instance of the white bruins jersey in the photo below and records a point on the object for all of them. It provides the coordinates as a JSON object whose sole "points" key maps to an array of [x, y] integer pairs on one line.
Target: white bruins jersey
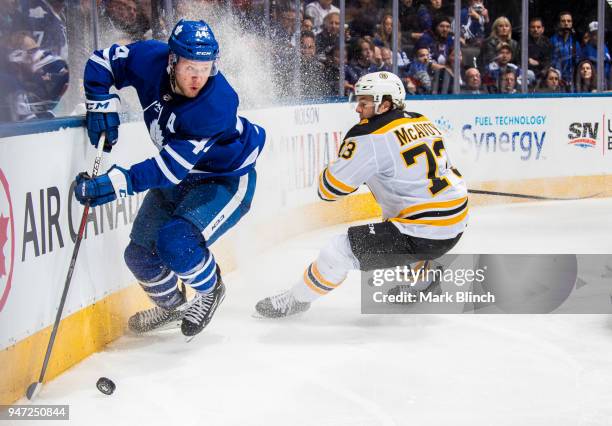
{"points": [[401, 157]]}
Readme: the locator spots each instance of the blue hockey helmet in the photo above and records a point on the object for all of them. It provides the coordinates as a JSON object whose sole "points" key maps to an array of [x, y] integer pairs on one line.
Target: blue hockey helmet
{"points": [[193, 40]]}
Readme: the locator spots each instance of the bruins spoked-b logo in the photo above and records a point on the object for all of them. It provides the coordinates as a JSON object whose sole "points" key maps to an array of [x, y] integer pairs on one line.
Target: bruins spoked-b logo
{"points": [[7, 240]]}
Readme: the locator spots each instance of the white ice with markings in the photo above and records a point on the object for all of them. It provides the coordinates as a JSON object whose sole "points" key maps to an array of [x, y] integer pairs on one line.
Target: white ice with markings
{"points": [[334, 366]]}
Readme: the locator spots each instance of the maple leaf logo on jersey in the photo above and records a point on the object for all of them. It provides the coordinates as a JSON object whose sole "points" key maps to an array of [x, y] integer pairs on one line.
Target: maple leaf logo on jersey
{"points": [[4, 221], [156, 134], [37, 13]]}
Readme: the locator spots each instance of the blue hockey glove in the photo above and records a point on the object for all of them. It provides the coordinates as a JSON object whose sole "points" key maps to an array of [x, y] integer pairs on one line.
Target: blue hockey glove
{"points": [[102, 117], [103, 189]]}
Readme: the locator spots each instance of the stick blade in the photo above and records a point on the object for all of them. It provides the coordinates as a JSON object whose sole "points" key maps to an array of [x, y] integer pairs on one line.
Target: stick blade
{"points": [[33, 390]]}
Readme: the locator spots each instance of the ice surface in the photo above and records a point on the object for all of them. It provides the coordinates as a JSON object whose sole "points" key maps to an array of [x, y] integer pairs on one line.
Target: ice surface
{"points": [[334, 366]]}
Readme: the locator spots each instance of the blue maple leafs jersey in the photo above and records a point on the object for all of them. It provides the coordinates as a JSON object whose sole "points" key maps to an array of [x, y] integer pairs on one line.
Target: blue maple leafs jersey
{"points": [[196, 137], [47, 26]]}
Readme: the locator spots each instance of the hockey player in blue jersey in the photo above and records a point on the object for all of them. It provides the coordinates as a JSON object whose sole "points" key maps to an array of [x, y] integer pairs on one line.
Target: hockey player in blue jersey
{"points": [[200, 184]]}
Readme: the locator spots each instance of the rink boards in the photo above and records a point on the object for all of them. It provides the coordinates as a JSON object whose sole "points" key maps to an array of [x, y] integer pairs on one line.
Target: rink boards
{"points": [[541, 146]]}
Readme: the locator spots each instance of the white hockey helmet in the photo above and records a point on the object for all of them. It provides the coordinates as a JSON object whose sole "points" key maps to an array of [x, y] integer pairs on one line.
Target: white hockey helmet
{"points": [[379, 84]]}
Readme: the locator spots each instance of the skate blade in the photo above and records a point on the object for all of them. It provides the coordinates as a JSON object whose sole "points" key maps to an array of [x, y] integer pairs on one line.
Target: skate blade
{"points": [[259, 316], [190, 338], [173, 325]]}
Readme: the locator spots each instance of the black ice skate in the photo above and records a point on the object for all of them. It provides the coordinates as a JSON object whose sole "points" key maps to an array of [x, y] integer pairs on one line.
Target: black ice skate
{"points": [[281, 305], [202, 308], [157, 318]]}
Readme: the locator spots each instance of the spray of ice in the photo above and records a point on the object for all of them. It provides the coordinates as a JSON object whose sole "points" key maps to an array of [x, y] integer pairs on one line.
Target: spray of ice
{"points": [[244, 54]]}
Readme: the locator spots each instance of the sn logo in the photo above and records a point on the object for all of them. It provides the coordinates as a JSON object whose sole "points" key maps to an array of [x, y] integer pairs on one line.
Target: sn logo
{"points": [[585, 130]]}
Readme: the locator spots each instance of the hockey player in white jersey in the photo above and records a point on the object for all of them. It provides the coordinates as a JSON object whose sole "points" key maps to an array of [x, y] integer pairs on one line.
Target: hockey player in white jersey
{"points": [[401, 157]]}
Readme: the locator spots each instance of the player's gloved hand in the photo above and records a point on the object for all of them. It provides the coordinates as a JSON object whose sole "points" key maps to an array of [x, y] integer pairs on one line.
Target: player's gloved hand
{"points": [[101, 117], [104, 188]]}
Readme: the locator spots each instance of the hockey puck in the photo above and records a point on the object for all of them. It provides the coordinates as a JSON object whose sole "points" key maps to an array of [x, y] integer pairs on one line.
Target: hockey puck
{"points": [[106, 386]]}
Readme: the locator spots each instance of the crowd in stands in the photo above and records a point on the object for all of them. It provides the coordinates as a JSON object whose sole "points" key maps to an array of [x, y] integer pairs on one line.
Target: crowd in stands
{"points": [[33, 59], [562, 58], [35, 55]]}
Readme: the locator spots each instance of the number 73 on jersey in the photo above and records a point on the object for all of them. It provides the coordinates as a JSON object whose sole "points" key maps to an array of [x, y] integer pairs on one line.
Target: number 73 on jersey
{"points": [[412, 156]]}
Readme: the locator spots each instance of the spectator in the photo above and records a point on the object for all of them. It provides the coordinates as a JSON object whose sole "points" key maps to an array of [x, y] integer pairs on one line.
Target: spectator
{"points": [[143, 19], [329, 37], [384, 36], [361, 57], [409, 23], [122, 13], [307, 24], [47, 21], [378, 60], [311, 70], [116, 20], [585, 79], [551, 83], [474, 20], [439, 41], [539, 47], [586, 36], [363, 18], [402, 59], [495, 69], [331, 73], [285, 64], [119, 20], [501, 32], [566, 48], [318, 10], [284, 29], [307, 45], [39, 79], [426, 13], [590, 49], [387, 57], [473, 82], [442, 79], [507, 83], [417, 77]]}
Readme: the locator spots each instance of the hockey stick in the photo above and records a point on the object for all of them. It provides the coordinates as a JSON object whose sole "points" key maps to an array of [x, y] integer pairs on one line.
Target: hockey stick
{"points": [[530, 197], [34, 387]]}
